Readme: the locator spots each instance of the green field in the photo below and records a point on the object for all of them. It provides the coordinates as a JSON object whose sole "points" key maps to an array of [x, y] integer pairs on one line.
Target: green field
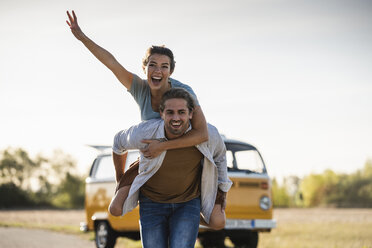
{"points": [[296, 228]]}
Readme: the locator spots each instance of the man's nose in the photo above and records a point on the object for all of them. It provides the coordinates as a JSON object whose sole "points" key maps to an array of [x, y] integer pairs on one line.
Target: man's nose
{"points": [[176, 117]]}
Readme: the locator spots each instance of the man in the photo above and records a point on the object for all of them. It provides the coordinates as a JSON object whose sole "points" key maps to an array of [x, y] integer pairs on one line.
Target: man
{"points": [[176, 186]]}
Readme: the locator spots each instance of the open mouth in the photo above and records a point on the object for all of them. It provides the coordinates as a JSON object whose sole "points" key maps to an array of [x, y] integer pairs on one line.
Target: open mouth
{"points": [[176, 124], [156, 80]]}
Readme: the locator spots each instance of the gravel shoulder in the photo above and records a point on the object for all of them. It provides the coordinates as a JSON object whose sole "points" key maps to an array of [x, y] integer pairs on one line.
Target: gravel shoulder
{"points": [[15, 237]]}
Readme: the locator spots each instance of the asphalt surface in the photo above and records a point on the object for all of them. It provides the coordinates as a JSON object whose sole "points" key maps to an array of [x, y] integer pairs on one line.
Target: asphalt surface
{"points": [[12, 237]]}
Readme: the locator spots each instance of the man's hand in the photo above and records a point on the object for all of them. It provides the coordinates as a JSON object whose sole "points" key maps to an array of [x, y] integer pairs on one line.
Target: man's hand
{"points": [[154, 148], [223, 205], [221, 199], [73, 24]]}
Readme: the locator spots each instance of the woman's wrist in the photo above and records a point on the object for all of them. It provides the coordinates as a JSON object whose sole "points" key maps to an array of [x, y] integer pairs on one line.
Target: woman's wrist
{"points": [[164, 145]]}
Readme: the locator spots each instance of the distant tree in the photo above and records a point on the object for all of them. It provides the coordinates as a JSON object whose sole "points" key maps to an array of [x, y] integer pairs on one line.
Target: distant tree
{"points": [[353, 190], [40, 181], [13, 196], [17, 167], [338, 190], [70, 192], [281, 197], [314, 187]]}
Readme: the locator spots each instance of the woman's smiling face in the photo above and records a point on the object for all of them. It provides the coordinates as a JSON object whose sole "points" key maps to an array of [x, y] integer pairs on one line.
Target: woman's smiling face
{"points": [[158, 71]]}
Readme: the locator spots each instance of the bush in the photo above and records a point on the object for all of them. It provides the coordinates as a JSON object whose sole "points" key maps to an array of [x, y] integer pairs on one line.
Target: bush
{"points": [[13, 196]]}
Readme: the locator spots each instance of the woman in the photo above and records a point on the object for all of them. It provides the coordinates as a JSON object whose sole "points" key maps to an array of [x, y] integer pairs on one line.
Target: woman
{"points": [[158, 66]]}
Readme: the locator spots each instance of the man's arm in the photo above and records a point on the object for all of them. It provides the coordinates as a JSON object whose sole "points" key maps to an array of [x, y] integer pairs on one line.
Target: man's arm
{"points": [[123, 141], [119, 153], [119, 162], [219, 157], [124, 76]]}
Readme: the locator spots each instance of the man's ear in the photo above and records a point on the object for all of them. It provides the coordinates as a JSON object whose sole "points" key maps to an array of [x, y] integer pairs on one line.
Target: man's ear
{"points": [[191, 114]]}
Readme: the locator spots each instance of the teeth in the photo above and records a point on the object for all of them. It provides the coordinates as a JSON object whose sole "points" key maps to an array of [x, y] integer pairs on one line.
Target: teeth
{"points": [[157, 78]]}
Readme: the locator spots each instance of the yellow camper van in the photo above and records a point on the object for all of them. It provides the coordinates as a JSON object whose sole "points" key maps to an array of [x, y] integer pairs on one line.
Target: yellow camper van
{"points": [[248, 211]]}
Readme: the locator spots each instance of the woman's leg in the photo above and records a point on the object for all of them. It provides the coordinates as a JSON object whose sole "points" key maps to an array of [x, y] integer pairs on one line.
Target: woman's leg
{"points": [[122, 189], [117, 202], [218, 218]]}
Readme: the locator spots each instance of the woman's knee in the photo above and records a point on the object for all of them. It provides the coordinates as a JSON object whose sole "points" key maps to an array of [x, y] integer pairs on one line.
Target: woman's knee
{"points": [[217, 221], [115, 210]]}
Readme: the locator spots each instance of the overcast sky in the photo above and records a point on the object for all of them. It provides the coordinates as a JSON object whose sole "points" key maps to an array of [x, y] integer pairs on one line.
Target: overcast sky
{"points": [[291, 77]]}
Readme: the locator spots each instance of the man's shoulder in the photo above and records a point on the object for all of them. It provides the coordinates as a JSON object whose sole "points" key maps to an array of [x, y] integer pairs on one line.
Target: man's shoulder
{"points": [[214, 134], [212, 129], [149, 124]]}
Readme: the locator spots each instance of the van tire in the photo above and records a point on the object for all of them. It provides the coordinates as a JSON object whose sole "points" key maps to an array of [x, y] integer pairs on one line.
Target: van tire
{"points": [[212, 239], [105, 237], [244, 238]]}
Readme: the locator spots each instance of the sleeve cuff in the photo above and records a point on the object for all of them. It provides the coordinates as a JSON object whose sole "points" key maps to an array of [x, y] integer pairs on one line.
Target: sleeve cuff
{"points": [[225, 186], [117, 151]]}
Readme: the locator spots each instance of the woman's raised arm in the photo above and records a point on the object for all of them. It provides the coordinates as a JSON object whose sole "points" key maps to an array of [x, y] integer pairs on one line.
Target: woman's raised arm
{"points": [[100, 53]]}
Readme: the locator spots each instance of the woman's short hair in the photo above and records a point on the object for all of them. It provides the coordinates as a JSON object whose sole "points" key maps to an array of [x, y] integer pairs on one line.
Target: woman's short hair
{"points": [[159, 50]]}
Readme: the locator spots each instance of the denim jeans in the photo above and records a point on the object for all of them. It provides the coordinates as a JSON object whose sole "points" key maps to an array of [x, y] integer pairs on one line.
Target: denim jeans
{"points": [[173, 225]]}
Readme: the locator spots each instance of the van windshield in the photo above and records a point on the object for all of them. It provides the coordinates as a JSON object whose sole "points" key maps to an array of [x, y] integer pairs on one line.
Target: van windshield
{"points": [[244, 159]]}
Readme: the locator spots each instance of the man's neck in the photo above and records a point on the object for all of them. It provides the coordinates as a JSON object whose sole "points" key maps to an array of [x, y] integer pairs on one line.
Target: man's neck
{"points": [[171, 136]]}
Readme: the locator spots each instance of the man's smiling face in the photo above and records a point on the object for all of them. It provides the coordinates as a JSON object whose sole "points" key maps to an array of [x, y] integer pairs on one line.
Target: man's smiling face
{"points": [[176, 117]]}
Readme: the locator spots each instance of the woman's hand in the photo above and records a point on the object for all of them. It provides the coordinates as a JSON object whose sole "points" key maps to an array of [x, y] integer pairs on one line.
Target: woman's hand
{"points": [[153, 149], [73, 24]]}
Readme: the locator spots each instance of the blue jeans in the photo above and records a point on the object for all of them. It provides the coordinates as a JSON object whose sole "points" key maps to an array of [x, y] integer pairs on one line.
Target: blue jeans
{"points": [[173, 225]]}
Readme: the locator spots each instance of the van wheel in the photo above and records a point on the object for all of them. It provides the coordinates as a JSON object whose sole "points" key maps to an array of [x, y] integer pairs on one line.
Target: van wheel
{"points": [[213, 239], [244, 239], [105, 236]]}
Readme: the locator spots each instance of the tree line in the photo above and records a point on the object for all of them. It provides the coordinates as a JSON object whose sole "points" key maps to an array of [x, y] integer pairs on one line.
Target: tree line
{"points": [[39, 182], [54, 182], [327, 189]]}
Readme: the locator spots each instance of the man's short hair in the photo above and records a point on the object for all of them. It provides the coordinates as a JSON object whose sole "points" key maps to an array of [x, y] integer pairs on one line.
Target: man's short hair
{"points": [[177, 93]]}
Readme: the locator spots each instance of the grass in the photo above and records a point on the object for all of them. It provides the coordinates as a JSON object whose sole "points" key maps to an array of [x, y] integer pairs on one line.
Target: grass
{"points": [[320, 228], [65, 221], [296, 228]]}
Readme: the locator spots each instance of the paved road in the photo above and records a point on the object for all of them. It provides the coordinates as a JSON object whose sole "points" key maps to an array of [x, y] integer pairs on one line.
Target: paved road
{"points": [[12, 237]]}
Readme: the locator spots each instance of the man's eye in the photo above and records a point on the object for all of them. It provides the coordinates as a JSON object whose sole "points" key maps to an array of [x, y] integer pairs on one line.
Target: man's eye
{"points": [[165, 66]]}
